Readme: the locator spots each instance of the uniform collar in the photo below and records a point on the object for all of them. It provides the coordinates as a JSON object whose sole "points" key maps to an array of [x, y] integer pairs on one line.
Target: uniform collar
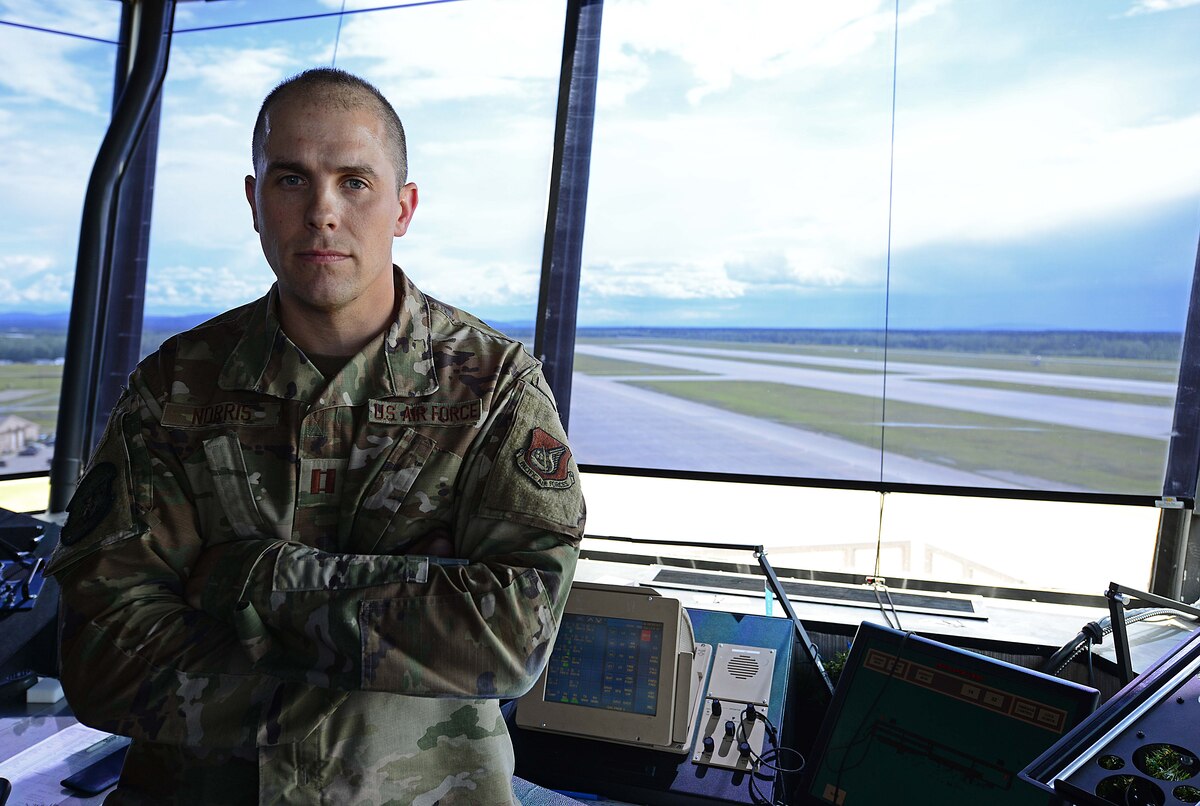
{"points": [[397, 363]]}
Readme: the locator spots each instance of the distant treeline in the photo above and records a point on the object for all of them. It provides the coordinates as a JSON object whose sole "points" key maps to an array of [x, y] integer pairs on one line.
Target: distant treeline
{"points": [[27, 338], [48, 343], [1149, 346]]}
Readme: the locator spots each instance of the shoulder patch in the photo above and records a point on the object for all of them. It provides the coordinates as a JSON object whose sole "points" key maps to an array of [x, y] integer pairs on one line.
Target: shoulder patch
{"points": [[91, 503], [546, 461]]}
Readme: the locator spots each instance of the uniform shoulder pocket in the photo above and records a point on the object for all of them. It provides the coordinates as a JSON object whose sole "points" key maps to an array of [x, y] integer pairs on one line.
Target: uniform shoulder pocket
{"points": [[534, 479], [103, 509]]}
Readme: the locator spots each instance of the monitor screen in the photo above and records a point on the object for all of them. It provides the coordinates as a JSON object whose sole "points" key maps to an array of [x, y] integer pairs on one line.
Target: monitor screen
{"points": [[912, 716], [620, 670], [604, 662]]}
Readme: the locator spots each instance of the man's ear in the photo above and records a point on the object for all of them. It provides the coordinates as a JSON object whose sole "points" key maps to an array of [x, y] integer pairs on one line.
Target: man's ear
{"points": [[250, 185], [408, 206]]}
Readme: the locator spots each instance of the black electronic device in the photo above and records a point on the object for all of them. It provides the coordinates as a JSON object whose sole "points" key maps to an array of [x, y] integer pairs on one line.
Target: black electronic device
{"points": [[100, 774], [21, 577], [1140, 747], [911, 715], [28, 599]]}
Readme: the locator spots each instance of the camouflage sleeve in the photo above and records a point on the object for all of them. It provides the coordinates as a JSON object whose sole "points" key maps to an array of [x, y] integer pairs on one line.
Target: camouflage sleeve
{"points": [[135, 658], [478, 625]]}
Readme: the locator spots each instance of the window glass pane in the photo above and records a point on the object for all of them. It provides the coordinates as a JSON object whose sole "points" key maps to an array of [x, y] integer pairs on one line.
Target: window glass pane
{"points": [[478, 110], [1057, 200], [984, 542], [56, 76], [757, 297]]}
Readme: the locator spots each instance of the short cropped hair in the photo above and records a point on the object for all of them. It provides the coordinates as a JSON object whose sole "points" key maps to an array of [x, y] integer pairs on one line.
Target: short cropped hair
{"points": [[331, 85]]}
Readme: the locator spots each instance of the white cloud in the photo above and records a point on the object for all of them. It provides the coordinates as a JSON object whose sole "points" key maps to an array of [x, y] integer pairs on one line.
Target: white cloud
{"points": [[236, 77], [99, 20], [795, 193], [1044, 155], [203, 289], [30, 280], [721, 42], [792, 268], [1156, 6], [484, 49], [695, 280], [40, 68]]}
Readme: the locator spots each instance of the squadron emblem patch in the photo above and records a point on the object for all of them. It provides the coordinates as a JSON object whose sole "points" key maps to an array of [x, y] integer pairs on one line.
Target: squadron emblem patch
{"points": [[546, 460], [91, 503]]}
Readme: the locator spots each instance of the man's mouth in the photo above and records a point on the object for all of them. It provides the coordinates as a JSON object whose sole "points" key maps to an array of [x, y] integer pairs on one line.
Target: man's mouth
{"points": [[322, 256]]}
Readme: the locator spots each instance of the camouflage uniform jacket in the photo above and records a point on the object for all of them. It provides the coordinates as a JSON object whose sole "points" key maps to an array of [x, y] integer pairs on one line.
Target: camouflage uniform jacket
{"points": [[293, 591]]}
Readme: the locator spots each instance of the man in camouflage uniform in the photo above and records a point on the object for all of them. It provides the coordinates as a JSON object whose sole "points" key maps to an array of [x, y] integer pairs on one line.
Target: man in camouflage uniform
{"points": [[326, 531]]}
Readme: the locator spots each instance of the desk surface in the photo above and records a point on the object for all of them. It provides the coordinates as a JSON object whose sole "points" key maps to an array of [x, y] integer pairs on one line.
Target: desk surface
{"points": [[39, 746]]}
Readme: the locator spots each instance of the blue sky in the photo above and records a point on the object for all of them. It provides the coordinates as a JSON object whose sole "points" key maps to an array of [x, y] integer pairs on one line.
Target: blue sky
{"points": [[1045, 174]]}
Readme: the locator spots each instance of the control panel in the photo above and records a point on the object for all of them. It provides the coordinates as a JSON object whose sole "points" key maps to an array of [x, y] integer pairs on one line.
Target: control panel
{"points": [[732, 728]]}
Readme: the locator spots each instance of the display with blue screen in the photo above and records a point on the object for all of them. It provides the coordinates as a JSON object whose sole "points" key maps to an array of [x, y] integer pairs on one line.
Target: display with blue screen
{"points": [[603, 662]]}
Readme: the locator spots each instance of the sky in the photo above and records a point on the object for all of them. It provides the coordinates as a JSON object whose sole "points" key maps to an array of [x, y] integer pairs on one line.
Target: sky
{"points": [[1040, 169]]}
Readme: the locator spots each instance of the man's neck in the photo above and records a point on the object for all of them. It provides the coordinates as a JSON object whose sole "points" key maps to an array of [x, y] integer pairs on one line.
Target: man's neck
{"points": [[335, 333]]}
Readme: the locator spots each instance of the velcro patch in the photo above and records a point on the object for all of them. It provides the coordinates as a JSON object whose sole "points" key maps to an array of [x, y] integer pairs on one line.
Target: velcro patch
{"points": [[91, 503], [430, 412], [546, 461], [183, 415], [321, 481]]}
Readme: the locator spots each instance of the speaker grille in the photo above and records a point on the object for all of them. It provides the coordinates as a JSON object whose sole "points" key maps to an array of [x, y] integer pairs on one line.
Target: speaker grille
{"points": [[743, 667]]}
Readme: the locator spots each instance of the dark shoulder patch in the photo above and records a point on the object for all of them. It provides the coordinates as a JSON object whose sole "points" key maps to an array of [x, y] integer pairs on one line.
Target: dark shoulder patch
{"points": [[92, 502]]}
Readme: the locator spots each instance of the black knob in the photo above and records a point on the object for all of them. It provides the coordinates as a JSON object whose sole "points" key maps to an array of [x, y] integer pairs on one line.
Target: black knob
{"points": [[709, 744], [744, 749], [728, 727], [716, 709], [750, 713]]}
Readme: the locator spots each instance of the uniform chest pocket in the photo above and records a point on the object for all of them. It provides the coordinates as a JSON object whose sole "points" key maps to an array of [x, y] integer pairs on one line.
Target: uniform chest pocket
{"points": [[239, 492], [383, 497]]}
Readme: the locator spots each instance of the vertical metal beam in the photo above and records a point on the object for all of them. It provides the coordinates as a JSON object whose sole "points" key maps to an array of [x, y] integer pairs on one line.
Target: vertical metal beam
{"points": [[558, 298], [147, 25], [1176, 569], [120, 349], [1169, 571], [1183, 455]]}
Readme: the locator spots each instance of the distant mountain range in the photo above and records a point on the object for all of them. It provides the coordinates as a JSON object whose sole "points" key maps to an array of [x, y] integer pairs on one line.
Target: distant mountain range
{"points": [[21, 320]]}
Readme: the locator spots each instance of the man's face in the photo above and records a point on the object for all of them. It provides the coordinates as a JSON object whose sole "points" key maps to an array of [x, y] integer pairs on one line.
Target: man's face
{"points": [[326, 207]]}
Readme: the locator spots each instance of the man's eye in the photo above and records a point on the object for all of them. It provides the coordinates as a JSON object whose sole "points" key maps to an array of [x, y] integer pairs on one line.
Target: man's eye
{"points": [[291, 180], [356, 184]]}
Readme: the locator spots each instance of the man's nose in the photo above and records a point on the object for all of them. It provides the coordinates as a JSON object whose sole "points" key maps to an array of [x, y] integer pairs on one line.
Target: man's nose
{"points": [[322, 208]]}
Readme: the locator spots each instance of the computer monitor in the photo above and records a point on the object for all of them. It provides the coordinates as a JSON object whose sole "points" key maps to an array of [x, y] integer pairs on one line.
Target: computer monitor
{"points": [[917, 721], [620, 670]]}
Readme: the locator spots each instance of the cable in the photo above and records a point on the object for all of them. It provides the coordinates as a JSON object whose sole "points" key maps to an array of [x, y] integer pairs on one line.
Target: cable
{"points": [[895, 613], [59, 33], [887, 282], [767, 760], [855, 738], [301, 17], [882, 609], [338, 36], [1093, 633]]}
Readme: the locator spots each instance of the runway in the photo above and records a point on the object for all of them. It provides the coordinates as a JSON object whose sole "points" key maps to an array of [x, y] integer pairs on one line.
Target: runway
{"points": [[614, 423]]}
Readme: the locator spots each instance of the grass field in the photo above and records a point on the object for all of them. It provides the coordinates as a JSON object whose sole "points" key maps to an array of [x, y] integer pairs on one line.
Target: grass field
{"points": [[1090, 394], [1005, 447], [31, 391], [596, 365]]}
